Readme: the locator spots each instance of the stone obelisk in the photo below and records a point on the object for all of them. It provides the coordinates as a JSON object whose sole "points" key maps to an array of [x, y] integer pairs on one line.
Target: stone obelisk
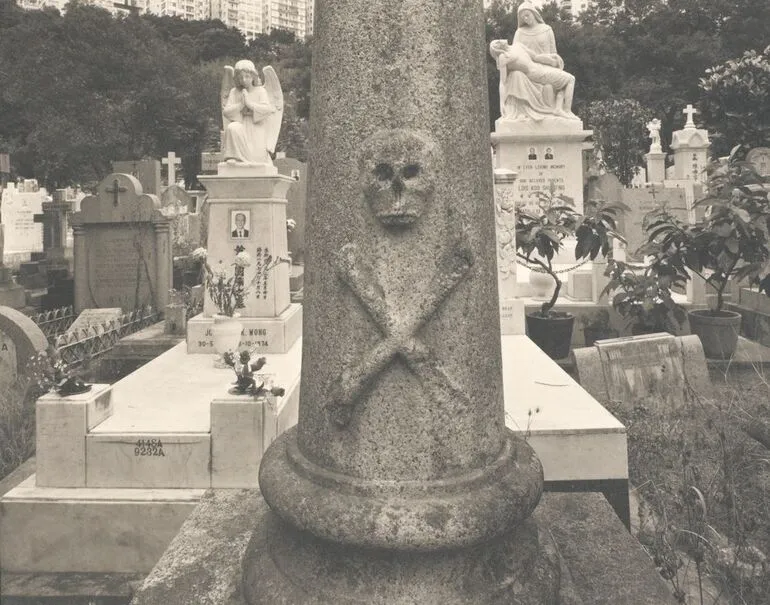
{"points": [[400, 483]]}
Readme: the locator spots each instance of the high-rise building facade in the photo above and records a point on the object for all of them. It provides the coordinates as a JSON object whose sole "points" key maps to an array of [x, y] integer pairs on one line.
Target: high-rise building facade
{"points": [[252, 17], [290, 15]]}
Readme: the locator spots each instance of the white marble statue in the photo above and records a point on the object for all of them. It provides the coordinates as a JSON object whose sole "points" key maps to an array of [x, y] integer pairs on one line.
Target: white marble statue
{"points": [[654, 128], [251, 114], [533, 83]]}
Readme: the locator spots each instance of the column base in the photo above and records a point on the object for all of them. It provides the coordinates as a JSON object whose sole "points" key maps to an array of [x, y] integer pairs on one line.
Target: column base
{"points": [[423, 516], [284, 565]]}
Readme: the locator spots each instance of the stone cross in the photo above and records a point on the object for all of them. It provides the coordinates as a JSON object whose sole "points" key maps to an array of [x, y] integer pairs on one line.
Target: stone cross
{"points": [[116, 190], [690, 111], [171, 160], [654, 128]]}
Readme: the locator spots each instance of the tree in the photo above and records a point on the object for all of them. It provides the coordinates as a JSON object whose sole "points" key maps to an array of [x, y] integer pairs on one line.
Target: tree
{"points": [[735, 101], [620, 132]]}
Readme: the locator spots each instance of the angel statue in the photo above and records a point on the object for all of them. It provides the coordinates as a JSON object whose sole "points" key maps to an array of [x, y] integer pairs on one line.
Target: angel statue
{"points": [[251, 114]]}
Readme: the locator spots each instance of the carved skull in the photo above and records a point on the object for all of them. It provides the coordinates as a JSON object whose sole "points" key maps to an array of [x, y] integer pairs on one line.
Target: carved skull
{"points": [[398, 175]]}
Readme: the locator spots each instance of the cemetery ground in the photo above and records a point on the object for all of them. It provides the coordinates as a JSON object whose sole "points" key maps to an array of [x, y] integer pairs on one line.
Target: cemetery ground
{"points": [[700, 477]]}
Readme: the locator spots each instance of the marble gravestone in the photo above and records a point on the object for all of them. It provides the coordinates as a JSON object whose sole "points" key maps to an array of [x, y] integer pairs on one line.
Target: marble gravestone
{"points": [[146, 171], [20, 338], [537, 135], [122, 248], [643, 200], [400, 483], [23, 235], [247, 201]]}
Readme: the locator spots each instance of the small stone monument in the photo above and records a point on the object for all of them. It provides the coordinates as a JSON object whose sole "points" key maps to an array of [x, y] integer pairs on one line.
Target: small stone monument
{"points": [[691, 146], [656, 158], [400, 483], [122, 248], [20, 338]]}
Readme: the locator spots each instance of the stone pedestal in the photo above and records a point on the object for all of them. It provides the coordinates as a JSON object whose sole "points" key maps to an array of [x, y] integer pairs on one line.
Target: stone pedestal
{"points": [[544, 153], [11, 293], [62, 425], [271, 323], [656, 167]]}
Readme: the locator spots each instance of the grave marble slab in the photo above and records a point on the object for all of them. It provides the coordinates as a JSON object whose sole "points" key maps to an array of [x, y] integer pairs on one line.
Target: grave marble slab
{"points": [[95, 317], [660, 370], [150, 460], [61, 427], [49, 529], [640, 202]]}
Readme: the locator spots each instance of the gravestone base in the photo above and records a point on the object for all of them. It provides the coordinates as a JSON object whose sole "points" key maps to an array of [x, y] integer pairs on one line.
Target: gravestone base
{"points": [[259, 335], [523, 147], [284, 565], [600, 562]]}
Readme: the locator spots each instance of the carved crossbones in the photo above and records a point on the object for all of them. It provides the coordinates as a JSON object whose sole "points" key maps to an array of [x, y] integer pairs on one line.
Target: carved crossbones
{"points": [[398, 340]]}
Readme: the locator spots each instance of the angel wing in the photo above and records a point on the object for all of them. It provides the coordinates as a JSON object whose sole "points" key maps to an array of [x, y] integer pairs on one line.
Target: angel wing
{"points": [[227, 84], [275, 94]]}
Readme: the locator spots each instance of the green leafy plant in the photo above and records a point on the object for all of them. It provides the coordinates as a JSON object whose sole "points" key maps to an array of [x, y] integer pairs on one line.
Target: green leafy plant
{"points": [[730, 242], [735, 99], [539, 237], [643, 298]]}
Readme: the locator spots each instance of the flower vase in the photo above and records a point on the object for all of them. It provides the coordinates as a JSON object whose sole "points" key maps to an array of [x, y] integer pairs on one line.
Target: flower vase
{"points": [[226, 334]]}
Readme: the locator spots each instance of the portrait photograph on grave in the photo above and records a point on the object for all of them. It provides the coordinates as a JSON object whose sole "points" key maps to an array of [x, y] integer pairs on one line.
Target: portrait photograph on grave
{"points": [[240, 223]]}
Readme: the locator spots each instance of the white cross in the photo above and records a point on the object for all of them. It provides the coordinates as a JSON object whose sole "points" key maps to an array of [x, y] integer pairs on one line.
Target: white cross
{"points": [[690, 111], [171, 160]]}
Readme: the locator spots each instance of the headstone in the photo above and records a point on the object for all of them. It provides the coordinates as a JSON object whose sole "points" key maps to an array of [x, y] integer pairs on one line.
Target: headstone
{"points": [[146, 171], [20, 339], [658, 370], [122, 248], [760, 158], [95, 317], [23, 235], [505, 230], [400, 474], [691, 150], [640, 202]]}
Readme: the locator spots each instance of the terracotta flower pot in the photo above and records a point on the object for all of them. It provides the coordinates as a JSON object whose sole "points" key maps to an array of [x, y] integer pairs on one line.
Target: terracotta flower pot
{"points": [[718, 331]]}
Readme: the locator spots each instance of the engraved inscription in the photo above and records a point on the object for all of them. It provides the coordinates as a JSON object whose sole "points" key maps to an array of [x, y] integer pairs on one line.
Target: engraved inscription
{"points": [[148, 447]]}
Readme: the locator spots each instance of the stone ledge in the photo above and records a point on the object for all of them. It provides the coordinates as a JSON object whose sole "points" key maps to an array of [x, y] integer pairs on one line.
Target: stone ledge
{"points": [[606, 565]]}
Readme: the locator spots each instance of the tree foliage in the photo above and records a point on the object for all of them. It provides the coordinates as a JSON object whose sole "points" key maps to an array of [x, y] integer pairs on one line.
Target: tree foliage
{"points": [[620, 133], [735, 101], [80, 90]]}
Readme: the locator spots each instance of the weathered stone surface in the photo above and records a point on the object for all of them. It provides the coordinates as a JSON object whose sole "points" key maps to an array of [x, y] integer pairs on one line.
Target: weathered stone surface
{"points": [[601, 563], [424, 281], [654, 369], [607, 566], [202, 564], [20, 339]]}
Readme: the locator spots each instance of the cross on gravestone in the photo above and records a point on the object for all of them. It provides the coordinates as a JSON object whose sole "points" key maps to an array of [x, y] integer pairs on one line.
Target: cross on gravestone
{"points": [[116, 191], [690, 111], [171, 161]]}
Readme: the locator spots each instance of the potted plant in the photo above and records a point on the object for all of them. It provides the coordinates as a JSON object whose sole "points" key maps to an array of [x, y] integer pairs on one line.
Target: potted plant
{"points": [[597, 327], [729, 242], [644, 299], [539, 237]]}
